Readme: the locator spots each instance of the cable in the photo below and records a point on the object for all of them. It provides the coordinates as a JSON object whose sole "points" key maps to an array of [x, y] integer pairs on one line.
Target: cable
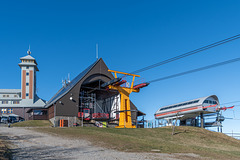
{"points": [[196, 70], [188, 54], [230, 102]]}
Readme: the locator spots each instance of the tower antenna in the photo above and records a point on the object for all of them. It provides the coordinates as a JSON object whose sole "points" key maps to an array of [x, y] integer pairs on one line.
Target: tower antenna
{"points": [[97, 50], [29, 52], [68, 80]]}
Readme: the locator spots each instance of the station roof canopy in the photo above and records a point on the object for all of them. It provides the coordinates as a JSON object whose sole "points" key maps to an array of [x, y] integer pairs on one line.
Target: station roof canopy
{"points": [[65, 89], [195, 102]]}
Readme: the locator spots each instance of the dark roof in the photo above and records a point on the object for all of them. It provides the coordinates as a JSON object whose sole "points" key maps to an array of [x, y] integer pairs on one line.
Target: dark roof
{"points": [[133, 107], [64, 90], [31, 109]]}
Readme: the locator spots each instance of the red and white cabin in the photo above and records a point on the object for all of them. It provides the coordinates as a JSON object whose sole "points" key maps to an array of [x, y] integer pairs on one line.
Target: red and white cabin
{"points": [[189, 109]]}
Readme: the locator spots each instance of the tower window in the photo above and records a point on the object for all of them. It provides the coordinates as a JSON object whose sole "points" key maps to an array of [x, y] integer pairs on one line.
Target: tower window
{"points": [[27, 84], [27, 94], [27, 73]]}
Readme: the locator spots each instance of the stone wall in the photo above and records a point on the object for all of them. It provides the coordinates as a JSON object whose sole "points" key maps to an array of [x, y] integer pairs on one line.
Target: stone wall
{"points": [[71, 121]]}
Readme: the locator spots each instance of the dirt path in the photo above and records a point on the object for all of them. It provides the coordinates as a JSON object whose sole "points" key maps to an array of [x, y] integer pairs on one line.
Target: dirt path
{"points": [[28, 144]]}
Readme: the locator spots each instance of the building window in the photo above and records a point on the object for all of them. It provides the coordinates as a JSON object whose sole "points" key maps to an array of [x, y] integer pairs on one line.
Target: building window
{"points": [[10, 110], [27, 67], [3, 110], [5, 95], [27, 73], [27, 94], [27, 84], [39, 112], [16, 102], [4, 102], [15, 95]]}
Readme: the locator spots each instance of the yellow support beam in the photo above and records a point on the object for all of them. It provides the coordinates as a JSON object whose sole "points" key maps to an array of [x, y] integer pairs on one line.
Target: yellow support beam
{"points": [[125, 118], [129, 74]]}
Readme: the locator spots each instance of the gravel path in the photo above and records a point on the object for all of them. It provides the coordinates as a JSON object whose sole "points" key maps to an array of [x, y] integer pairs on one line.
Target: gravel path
{"points": [[28, 144]]}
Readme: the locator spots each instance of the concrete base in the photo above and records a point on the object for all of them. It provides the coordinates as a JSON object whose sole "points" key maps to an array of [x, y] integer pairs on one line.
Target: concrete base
{"points": [[71, 121], [126, 126]]}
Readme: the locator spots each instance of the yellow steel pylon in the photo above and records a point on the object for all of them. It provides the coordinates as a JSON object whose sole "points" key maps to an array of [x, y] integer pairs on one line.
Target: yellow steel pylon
{"points": [[125, 119]]}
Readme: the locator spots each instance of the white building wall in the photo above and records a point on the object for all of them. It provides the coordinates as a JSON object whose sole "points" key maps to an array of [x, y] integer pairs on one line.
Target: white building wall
{"points": [[115, 107]]}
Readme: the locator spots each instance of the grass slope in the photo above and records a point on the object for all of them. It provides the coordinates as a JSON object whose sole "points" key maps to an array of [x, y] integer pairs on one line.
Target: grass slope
{"points": [[33, 123], [186, 140]]}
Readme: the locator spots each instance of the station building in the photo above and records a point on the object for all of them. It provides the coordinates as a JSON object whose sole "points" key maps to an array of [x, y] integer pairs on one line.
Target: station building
{"points": [[17, 102], [84, 100]]}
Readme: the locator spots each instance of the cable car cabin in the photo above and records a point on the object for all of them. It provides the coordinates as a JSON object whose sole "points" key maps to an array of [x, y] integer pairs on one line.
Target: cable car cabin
{"points": [[85, 114], [100, 116], [189, 109]]}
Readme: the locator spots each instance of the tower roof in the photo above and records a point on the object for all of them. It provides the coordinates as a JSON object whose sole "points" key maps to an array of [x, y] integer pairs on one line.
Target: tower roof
{"points": [[28, 57], [28, 60]]}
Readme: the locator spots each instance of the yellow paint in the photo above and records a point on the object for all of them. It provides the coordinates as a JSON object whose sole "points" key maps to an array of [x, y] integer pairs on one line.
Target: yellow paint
{"points": [[104, 124], [125, 120], [129, 74]]}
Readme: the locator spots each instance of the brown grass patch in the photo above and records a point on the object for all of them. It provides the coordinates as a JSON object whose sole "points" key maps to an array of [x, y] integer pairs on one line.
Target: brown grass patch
{"points": [[186, 140]]}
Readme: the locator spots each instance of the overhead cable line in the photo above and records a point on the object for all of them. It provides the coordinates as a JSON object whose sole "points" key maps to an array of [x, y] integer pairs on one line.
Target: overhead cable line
{"points": [[188, 54], [196, 70], [230, 102]]}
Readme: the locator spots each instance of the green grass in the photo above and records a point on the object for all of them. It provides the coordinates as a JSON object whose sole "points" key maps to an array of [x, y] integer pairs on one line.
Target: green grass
{"points": [[33, 123], [186, 140]]}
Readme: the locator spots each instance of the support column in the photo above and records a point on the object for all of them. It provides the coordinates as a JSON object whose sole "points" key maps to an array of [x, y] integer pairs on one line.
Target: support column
{"points": [[202, 120]]}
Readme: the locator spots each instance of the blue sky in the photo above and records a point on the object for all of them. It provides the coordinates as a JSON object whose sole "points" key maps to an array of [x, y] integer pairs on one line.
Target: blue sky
{"points": [[131, 35]]}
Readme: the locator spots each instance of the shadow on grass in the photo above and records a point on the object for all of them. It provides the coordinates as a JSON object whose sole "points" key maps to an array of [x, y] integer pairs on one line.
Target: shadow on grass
{"points": [[180, 132]]}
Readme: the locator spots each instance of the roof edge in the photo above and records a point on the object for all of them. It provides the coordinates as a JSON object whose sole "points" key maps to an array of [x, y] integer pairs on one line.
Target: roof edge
{"points": [[47, 105]]}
